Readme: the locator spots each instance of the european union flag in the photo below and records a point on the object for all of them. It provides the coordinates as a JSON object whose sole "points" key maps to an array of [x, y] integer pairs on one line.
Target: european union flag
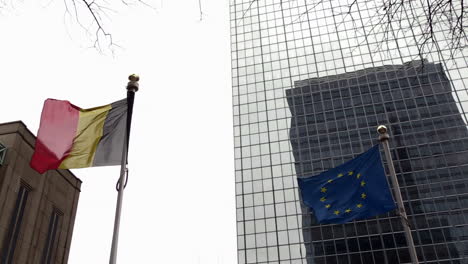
{"points": [[357, 189]]}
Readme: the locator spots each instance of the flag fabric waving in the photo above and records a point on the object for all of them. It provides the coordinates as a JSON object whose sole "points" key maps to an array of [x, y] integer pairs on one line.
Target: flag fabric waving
{"points": [[357, 189], [71, 137]]}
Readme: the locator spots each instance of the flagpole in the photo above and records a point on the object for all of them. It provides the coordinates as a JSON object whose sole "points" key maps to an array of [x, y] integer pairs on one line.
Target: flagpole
{"points": [[132, 87], [384, 137]]}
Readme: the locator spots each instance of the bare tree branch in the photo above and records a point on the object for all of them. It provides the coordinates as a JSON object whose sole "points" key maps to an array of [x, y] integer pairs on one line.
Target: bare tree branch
{"points": [[248, 9], [93, 17], [201, 13]]}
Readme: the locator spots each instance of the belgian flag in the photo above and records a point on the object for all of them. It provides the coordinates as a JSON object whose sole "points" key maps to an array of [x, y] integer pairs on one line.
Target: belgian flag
{"points": [[70, 137]]}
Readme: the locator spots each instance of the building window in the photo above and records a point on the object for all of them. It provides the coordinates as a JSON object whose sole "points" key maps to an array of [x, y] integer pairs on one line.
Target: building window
{"points": [[3, 151], [50, 243], [11, 238]]}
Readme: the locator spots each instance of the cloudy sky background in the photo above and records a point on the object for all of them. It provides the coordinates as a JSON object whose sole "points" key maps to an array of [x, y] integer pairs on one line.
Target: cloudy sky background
{"points": [[179, 203]]}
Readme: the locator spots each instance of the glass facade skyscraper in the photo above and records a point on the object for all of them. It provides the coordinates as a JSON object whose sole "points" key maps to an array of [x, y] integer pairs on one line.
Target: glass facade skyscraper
{"points": [[429, 146], [308, 94]]}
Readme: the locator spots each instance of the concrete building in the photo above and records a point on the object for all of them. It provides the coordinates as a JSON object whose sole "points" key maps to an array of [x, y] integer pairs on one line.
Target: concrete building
{"points": [[37, 212]]}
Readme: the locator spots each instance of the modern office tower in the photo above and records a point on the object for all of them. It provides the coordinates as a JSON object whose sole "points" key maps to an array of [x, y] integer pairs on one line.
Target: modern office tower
{"points": [[304, 70], [335, 118], [37, 211]]}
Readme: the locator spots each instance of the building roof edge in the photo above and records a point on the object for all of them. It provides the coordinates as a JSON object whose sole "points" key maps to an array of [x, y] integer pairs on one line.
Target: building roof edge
{"points": [[30, 139]]}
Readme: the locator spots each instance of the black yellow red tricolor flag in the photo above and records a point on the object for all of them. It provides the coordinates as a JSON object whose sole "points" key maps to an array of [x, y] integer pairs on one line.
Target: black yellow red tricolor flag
{"points": [[71, 137]]}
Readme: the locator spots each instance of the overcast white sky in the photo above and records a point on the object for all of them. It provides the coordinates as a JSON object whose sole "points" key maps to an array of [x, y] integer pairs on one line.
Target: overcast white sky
{"points": [[179, 204]]}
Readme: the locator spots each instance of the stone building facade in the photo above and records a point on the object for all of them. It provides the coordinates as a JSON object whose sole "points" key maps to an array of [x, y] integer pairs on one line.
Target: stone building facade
{"points": [[37, 211]]}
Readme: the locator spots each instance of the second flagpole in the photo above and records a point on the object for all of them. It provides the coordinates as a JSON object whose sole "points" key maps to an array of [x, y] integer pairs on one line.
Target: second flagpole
{"points": [[132, 88], [396, 190]]}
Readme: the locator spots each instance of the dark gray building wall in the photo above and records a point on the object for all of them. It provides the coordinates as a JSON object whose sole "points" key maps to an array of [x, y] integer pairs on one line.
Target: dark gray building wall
{"points": [[335, 118]]}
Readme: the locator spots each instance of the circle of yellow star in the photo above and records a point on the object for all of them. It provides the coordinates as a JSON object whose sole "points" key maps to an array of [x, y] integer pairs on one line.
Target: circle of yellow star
{"points": [[363, 196], [363, 183], [359, 205], [323, 199], [323, 189], [340, 175], [348, 210], [358, 176], [329, 181], [327, 206], [337, 212], [350, 173]]}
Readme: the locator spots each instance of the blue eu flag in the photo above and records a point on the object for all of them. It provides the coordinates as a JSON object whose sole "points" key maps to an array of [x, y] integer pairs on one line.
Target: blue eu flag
{"points": [[357, 189]]}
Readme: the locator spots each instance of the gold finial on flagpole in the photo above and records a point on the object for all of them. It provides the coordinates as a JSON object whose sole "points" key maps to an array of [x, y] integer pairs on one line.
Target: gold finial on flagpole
{"points": [[133, 84], [383, 133]]}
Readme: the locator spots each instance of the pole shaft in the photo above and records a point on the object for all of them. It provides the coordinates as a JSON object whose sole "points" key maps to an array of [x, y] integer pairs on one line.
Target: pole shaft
{"points": [[123, 172], [399, 200]]}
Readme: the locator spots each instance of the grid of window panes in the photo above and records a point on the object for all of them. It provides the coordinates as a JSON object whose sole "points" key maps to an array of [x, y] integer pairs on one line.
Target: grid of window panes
{"points": [[309, 88]]}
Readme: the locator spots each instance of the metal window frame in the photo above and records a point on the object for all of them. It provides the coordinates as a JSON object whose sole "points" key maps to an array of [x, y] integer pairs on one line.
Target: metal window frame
{"points": [[51, 243], [3, 151], [8, 251]]}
